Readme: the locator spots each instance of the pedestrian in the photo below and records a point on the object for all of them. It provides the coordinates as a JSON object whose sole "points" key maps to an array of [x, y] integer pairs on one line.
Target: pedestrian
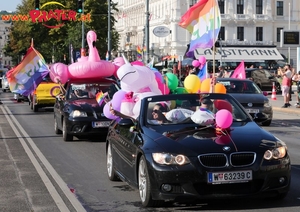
{"points": [[291, 85], [227, 73], [221, 72], [285, 86], [296, 79]]}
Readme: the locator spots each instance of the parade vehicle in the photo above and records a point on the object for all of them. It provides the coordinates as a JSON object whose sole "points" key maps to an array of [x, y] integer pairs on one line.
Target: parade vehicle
{"points": [[44, 95], [76, 110], [192, 156], [251, 97]]}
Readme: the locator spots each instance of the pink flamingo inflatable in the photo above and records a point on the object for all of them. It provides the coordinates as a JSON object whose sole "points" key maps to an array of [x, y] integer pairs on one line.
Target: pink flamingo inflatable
{"points": [[88, 67]]}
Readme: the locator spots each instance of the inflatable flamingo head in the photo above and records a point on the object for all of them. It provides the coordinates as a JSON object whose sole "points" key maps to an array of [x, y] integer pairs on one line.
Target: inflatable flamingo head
{"points": [[136, 77], [91, 38]]}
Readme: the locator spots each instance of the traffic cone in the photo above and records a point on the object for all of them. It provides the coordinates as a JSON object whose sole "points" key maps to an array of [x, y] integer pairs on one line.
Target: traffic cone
{"points": [[273, 92]]}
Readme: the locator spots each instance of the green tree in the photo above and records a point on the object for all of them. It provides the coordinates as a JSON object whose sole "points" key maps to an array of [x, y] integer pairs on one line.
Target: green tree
{"points": [[56, 41]]}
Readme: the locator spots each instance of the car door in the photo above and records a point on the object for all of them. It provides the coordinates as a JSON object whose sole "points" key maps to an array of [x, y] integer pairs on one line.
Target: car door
{"points": [[125, 152]]}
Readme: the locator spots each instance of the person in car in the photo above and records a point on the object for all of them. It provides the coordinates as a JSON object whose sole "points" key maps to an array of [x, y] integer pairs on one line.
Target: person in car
{"points": [[80, 93], [158, 113]]}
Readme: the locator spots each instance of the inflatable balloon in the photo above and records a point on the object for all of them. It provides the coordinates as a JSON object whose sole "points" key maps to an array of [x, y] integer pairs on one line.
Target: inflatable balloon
{"points": [[205, 86], [172, 81], [222, 104], [138, 63], [59, 72], [202, 61], [117, 98], [106, 111], [220, 88], [180, 90], [224, 119], [192, 83], [159, 76], [196, 63]]}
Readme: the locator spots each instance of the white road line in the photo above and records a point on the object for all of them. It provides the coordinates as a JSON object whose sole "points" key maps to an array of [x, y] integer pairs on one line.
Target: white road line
{"points": [[55, 195]]}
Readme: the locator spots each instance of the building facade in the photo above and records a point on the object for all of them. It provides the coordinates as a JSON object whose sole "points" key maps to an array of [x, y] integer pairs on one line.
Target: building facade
{"points": [[244, 23], [5, 61]]}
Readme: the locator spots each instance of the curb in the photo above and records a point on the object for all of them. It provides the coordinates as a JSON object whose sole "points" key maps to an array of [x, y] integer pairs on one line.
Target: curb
{"points": [[287, 110]]}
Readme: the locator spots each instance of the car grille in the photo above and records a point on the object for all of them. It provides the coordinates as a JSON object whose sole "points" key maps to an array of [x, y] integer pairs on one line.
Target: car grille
{"points": [[253, 105], [238, 159]]}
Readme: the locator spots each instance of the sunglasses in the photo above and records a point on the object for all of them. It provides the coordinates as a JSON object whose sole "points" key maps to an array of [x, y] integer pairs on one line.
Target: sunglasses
{"points": [[155, 111]]}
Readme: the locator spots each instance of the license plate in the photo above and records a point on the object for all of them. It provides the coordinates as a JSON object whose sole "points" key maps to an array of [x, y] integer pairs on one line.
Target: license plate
{"points": [[98, 124], [252, 110], [229, 177]]}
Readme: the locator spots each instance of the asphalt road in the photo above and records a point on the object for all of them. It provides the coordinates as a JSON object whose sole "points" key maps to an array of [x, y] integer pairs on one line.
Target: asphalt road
{"points": [[41, 172]]}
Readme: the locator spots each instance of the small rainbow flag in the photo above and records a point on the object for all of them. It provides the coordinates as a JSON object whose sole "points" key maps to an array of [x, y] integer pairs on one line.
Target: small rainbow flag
{"points": [[100, 97], [138, 52]]}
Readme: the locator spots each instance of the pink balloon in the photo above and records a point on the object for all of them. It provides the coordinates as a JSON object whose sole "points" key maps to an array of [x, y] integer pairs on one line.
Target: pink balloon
{"points": [[59, 72], [196, 63], [202, 61], [224, 119]]}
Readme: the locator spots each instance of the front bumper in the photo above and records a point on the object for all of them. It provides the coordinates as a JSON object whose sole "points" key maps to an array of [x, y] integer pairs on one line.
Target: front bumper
{"points": [[189, 182], [84, 126]]}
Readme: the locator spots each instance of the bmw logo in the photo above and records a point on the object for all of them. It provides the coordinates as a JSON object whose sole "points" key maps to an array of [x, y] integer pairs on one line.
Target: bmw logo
{"points": [[250, 104], [226, 148]]}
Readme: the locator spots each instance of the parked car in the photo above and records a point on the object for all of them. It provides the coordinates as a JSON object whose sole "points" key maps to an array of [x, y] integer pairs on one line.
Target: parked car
{"points": [[251, 97], [182, 161], [77, 113], [44, 95], [264, 79], [4, 82], [19, 97]]}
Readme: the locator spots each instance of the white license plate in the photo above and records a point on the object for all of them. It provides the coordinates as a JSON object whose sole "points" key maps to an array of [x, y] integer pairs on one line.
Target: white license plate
{"points": [[98, 124], [252, 110], [229, 177]]}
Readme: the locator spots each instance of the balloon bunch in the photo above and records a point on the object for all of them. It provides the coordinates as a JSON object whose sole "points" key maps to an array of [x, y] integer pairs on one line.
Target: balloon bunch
{"points": [[224, 117], [199, 63]]}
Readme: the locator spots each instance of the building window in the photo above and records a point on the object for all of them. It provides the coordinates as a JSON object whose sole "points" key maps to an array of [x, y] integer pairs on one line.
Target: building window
{"points": [[240, 33], [259, 7], [259, 34], [280, 8], [221, 6], [221, 35], [192, 2], [278, 34], [240, 7]]}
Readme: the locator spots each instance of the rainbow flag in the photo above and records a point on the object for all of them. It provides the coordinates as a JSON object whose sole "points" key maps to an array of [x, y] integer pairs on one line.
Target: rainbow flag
{"points": [[100, 97], [25, 77], [203, 21], [145, 49], [138, 52]]}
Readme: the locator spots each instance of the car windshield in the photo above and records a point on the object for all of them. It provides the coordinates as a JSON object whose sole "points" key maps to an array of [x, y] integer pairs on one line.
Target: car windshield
{"points": [[90, 90], [175, 109], [241, 86]]}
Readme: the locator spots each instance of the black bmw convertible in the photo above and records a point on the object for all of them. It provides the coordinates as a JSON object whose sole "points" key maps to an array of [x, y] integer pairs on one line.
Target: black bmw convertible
{"points": [[176, 150]]}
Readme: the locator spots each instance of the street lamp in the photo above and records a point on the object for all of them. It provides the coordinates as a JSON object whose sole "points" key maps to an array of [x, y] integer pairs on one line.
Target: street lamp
{"points": [[147, 31], [108, 30]]}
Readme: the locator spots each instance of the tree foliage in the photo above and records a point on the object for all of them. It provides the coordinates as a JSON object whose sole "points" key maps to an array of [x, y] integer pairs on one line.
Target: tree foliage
{"points": [[56, 41]]}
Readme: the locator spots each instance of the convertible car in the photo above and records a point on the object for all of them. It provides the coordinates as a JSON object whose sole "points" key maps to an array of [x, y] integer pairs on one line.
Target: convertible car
{"points": [[184, 156]]}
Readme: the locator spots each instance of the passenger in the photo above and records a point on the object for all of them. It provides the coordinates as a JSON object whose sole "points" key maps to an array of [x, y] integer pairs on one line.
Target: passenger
{"points": [[158, 113], [204, 115], [80, 93]]}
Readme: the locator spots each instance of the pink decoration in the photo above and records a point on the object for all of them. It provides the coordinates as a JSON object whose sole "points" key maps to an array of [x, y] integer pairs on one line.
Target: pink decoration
{"points": [[196, 63], [138, 63], [87, 67], [162, 86], [223, 140], [59, 73], [224, 119]]}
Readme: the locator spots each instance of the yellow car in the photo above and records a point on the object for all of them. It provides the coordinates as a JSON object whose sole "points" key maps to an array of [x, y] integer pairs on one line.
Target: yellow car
{"points": [[44, 95]]}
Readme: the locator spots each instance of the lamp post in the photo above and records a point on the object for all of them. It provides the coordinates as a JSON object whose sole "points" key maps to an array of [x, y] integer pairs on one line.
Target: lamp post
{"points": [[147, 31], [82, 32], [108, 31], [289, 29]]}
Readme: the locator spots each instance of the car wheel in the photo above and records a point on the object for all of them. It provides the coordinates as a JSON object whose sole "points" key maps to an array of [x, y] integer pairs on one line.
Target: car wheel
{"points": [[66, 136], [34, 106], [266, 123], [57, 131], [145, 185], [109, 164], [4, 90]]}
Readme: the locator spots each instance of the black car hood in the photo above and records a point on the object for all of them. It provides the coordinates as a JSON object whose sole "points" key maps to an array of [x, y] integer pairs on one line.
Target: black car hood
{"points": [[243, 137], [249, 98]]}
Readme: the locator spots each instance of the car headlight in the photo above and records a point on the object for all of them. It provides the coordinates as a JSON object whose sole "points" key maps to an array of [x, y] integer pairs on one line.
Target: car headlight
{"points": [[267, 104], [78, 113], [276, 153], [170, 159]]}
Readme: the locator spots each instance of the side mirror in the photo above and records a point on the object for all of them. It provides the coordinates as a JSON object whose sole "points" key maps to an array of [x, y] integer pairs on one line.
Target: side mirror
{"points": [[126, 122], [265, 93]]}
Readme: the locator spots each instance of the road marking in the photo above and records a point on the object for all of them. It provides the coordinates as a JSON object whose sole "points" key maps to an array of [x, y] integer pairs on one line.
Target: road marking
{"points": [[15, 125]]}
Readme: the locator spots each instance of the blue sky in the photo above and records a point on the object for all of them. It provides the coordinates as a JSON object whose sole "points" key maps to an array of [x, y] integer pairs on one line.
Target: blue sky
{"points": [[10, 5]]}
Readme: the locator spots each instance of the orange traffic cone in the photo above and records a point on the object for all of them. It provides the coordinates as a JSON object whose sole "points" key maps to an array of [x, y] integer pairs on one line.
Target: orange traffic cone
{"points": [[273, 92]]}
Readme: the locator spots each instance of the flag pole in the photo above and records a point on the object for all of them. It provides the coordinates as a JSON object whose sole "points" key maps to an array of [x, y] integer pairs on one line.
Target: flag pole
{"points": [[214, 49]]}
